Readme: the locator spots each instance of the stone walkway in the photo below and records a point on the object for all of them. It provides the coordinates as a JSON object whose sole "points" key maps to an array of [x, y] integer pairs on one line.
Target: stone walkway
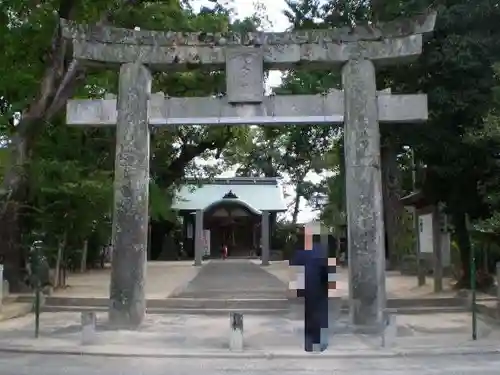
{"points": [[169, 279], [233, 279], [192, 334]]}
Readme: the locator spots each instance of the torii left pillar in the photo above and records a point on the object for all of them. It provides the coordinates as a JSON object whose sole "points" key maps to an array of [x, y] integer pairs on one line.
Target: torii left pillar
{"points": [[131, 198]]}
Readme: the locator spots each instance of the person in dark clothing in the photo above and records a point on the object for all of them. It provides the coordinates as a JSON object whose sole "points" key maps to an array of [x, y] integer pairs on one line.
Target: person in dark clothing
{"points": [[314, 260]]}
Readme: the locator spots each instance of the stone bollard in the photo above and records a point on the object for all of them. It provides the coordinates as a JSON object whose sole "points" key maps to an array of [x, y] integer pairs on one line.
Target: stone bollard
{"points": [[389, 332], [88, 328], [236, 332], [498, 290]]}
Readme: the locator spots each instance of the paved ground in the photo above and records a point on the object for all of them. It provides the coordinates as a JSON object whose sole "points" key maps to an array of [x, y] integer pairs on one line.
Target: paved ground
{"points": [[163, 279], [236, 278], [397, 285], [11, 364], [162, 334], [167, 278], [14, 310]]}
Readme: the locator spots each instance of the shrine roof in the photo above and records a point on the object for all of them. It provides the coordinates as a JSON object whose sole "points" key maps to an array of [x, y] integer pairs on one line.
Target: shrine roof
{"points": [[416, 199], [261, 193]]}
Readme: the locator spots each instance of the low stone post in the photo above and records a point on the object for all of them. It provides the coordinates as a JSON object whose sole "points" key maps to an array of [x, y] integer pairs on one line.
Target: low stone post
{"points": [[88, 327], [389, 332], [498, 290], [236, 332]]}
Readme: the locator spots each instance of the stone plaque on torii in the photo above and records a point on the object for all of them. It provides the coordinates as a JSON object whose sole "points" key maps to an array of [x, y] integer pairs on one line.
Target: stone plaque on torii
{"points": [[244, 56]]}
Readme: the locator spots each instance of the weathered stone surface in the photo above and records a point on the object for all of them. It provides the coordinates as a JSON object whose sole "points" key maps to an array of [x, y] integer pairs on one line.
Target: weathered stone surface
{"points": [[236, 331], [285, 56], [402, 108], [89, 321], [275, 110], [244, 75], [364, 195], [130, 219], [265, 238], [420, 24]]}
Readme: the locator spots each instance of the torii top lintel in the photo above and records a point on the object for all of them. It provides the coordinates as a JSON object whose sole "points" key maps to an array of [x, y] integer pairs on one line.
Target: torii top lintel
{"points": [[167, 50]]}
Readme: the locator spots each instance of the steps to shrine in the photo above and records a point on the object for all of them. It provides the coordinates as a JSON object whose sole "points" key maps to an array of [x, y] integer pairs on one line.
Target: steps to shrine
{"points": [[240, 285], [258, 306]]}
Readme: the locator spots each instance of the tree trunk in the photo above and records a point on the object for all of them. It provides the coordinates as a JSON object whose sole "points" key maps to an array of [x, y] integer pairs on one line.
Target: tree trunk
{"points": [[83, 260], [338, 235], [296, 207], [393, 209], [463, 241], [10, 240], [14, 194], [48, 101], [58, 83], [60, 254]]}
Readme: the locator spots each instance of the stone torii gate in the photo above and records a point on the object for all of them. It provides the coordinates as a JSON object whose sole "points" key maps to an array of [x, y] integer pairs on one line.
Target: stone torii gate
{"points": [[359, 106]]}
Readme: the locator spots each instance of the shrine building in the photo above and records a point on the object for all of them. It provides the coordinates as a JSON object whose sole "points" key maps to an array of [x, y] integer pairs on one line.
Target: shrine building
{"points": [[239, 212]]}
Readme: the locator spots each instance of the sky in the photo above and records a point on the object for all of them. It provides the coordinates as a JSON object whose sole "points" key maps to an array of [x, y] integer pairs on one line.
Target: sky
{"points": [[278, 22]]}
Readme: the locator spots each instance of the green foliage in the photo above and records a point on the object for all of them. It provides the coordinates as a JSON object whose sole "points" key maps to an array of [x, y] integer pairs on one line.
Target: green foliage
{"points": [[161, 201], [70, 183], [459, 71], [68, 172]]}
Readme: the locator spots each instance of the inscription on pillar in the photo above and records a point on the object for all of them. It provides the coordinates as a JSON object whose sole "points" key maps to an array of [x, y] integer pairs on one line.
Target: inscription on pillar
{"points": [[244, 75]]}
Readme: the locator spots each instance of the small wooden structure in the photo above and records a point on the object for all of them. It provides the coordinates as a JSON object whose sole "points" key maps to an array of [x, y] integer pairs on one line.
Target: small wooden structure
{"points": [[433, 237]]}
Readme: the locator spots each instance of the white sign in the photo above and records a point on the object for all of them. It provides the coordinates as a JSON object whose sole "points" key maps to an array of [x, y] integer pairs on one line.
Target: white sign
{"points": [[425, 233], [206, 242]]}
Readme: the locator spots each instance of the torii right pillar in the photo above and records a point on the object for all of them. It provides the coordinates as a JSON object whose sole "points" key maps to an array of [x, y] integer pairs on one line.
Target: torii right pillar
{"points": [[366, 240]]}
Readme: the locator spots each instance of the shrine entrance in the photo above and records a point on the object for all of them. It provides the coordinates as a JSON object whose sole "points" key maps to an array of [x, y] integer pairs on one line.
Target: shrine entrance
{"points": [[234, 223], [354, 51]]}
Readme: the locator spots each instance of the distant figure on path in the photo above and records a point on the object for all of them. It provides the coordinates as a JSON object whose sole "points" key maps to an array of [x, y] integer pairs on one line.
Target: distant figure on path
{"points": [[224, 252]]}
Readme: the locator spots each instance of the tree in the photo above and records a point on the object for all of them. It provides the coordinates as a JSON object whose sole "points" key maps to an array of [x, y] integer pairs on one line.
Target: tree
{"points": [[42, 78], [456, 70]]}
